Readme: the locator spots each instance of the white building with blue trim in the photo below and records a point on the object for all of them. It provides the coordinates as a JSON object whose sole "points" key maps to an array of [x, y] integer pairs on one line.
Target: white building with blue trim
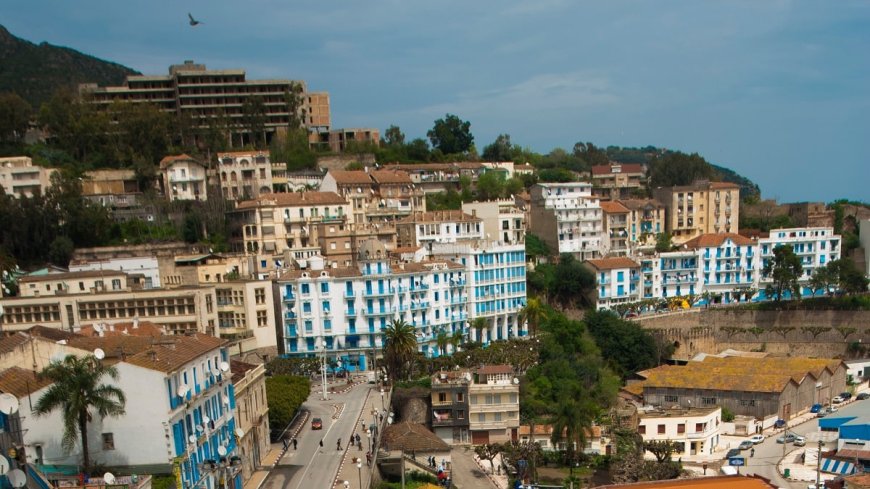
{"points": [[816, 247]]}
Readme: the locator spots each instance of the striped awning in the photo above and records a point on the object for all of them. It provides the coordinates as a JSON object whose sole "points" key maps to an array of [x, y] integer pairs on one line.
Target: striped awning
{"points": [[833, 466]]}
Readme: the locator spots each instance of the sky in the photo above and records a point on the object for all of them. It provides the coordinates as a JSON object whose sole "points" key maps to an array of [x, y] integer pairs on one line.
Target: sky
{"points": [[777, 90]]}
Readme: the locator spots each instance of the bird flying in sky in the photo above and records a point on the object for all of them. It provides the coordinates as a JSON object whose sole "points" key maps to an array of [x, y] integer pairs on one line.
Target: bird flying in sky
{"points": [[193, 21]]}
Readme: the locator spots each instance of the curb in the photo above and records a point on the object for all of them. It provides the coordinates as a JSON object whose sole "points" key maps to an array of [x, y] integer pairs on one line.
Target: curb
{"points": [[335, 482]]}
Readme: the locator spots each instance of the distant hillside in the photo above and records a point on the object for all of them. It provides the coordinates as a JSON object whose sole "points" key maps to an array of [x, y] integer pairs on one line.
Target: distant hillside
{"points": [[35, 72]]}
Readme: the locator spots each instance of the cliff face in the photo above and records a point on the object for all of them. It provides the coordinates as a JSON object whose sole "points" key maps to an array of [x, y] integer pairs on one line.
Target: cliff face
{"points": [[35, 72]]}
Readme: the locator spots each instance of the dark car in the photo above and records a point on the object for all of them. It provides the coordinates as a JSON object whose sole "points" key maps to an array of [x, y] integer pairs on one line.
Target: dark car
{"points": [[862, 396], [846, 395], [316, 424], [779, 423], [734, 452]]}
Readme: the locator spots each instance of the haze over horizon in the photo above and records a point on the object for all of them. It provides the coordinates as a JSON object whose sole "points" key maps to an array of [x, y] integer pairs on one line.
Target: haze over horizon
{"points": [[777, 91]]}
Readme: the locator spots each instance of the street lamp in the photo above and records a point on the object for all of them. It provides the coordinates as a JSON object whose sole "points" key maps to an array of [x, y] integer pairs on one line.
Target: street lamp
{"points": [[383, 406], [359, 471], [323, 368], [369, 436], [346, 484]]}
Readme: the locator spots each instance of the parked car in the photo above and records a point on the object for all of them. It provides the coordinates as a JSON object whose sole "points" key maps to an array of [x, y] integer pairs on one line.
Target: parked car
{"points": [[786, 438], [779, 423], [846, 395], [816, 408], [862, 396], [832, 409], [316, 424], [799, 441], [734, 452], [837, 400], [822, 413], [756, 439], [745, 445]]}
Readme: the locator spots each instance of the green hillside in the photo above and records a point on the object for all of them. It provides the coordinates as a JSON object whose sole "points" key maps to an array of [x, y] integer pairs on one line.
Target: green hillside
{"points": [[35, 72]]}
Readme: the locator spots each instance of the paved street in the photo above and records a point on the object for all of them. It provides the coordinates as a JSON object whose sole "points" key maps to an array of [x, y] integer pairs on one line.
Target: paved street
{"points": [[310, 466]]}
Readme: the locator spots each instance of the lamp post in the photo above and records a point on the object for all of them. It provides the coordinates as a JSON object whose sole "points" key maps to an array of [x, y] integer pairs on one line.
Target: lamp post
{"points": [[369, 436], [323, 368], [359, 471], [383, 406], [346, 484]]}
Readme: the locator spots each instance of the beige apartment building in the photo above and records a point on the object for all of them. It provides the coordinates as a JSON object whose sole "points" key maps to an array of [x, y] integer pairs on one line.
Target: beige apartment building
{"points": [[615, 220], [340, 242], [449, 226], [202, 95], [702, 208], [494, 405], [244, 174], [246, 312], [181, 310], [502, 220], [274, 223], [184, 178], [20, 177], [617, 180], [376, 196], [252, 414], [111, 188], [646, 219]]}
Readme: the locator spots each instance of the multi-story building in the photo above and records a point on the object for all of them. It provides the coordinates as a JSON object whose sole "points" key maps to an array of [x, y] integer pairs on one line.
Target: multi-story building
{"points": [[617, 180], [679, 273], [568, 218], [494, 405], [449, 398], [244, 175], [450, 226], [251, 414], [701, 208], [725, 263], [694, 431], [650, 276], [90, 281], [178, 431], [341, 311], [246, 312], [146, 267], [616, 238], [193, 91], [20, 177], [337, 140], [274, 223], [184, 178], [375, 196], [295, 181], [181, 310], [502, 220], [617, 281], [357, 187], [646, 220], [112, 188], [816, 247], [496, 285]]}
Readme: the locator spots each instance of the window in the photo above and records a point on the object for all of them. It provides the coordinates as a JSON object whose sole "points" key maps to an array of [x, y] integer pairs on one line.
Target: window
{"points": [[700, 427], [747, 402], [108, 441], [304, 288], [442, 397], [708, 401], [262, 319], [481, 417], [260, 296], [460, 414], [641, 429], [116, 284], [460, 397], [681, 428], [661, 429], [672, 399]]}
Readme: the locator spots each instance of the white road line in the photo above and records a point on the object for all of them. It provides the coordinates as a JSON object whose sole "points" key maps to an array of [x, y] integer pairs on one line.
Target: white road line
{"points": [[316, 452]]}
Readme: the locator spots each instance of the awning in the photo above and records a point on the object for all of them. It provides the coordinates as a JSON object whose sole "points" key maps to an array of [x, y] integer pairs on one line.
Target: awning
{"points": [[854, 454], [840, 467]]}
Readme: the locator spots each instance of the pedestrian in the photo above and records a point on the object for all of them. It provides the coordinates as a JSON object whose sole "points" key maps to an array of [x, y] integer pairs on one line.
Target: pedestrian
{"points": [[284, 441], [338, 444], [752, 453], [369, 459], [321, 443], [358, 438], [295, 443], [358, 444], [413, 455]]}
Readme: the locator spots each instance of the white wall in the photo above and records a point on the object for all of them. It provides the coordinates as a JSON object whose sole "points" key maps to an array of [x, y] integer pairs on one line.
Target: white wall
{"points": [[145, 265]]}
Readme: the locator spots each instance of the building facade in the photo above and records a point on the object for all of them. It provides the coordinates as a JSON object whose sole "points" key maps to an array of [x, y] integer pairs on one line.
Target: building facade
{"points": [[251, 414], [450, 226], [701, 208], [112, 188], [337, 140], [816, 247], [646, 220], [246, 312], [502, 220], [494, 405], [449, 397], [616, 241], [568, 218], [617, 180], [184, 178], [695, 431], [617, 280], [244, 175], [20, 177]]}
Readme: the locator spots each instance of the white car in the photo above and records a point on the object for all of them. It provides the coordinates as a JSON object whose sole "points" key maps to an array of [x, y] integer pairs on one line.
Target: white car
{"points": [[756, 439], [837, 400]]}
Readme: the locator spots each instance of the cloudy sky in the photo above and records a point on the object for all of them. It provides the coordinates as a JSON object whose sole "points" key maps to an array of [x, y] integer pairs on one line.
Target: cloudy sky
{"points": [[777, 90]]}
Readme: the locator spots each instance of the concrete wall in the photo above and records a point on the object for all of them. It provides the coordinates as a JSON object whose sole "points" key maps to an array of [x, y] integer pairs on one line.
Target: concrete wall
{"points": [[793, 333]]}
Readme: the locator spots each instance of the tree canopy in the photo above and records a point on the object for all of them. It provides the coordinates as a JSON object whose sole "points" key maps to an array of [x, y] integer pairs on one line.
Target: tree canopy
{"points": [[784, 269], [627, 347], [451, 135], [673, 169]]}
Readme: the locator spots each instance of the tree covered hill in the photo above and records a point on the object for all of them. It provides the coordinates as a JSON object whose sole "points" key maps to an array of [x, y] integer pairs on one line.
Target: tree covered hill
{"points": [[35, 72]]}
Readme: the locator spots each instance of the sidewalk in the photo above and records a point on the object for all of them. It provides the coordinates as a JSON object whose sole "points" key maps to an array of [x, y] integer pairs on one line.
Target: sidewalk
{"points": [[269, 461], [347, 470]]}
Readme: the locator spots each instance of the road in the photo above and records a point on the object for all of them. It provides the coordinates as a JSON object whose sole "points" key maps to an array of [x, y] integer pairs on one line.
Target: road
{"points": [[769, 453], [310, 466]]}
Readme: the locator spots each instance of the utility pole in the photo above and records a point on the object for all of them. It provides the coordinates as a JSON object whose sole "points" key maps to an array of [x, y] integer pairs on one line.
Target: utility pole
{"points": [[819, 463]]}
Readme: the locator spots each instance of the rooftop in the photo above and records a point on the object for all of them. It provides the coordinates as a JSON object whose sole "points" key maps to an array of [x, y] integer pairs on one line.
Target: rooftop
{"points": [[613, 207], [391, 177], [623, 168], [347, 177], [240, 369], [677, 412], [71, 275], [714, 240], [412, 437], [20, 382], [495, 369], [168, 160], [293, 199], [715, 482], [613, 263], [440, 216]]}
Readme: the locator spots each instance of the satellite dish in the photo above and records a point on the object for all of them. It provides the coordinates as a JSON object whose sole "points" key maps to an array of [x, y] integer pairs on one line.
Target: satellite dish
{"points": [[239, 432], [222, 451], [225, 366], [205, 419], [99, 353], [17, 478], [226, 400], [183, 389], [4, 465], [191, 438], [516, 380], [215, 372], [199, 428], [109, 478], [8, 403]]}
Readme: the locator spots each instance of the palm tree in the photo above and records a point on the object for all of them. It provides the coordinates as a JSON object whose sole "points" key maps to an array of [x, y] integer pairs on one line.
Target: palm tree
{"points": [[456, 339], [532, 313], [400, 344], [479, 324], [572, 419], [76, 391], [442, 340]]}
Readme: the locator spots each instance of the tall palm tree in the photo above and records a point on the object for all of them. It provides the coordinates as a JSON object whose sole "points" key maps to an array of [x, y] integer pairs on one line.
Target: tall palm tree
{"points": [[479, 324], [77, 392], [400, 344], [573, 420], [442, 339], [532, 313], [456, 339]]}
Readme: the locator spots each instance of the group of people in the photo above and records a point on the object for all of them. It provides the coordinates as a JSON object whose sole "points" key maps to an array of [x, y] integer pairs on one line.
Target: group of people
{"points": [[292, 441]]}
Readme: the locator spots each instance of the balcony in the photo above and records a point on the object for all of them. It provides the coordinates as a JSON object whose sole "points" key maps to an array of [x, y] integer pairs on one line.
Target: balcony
{"points": [[416, 306]]}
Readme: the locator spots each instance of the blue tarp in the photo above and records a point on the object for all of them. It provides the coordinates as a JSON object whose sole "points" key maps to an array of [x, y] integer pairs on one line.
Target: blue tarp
{"points": [[837, 467], [832, 423]]}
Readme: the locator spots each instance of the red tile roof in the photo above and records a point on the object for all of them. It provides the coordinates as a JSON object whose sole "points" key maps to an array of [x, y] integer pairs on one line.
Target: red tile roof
{"points": [[20, 382], [495, 369], [714, 482], [713, 240], [613, 263], [346, 177], [413, 437], [172, 159], [293, 199], [391, 177], [723, 185], [181, 350], [613, 207]]}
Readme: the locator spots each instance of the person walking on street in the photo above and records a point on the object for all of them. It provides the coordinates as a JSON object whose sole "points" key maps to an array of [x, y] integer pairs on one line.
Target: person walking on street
{"points": [[369, 459], [321, 443], [338, 444], [295, 443], [284, 442]]}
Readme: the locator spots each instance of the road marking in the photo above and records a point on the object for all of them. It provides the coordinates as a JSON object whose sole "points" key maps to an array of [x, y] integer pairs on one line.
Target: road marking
{"points": [[316, 452]]}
